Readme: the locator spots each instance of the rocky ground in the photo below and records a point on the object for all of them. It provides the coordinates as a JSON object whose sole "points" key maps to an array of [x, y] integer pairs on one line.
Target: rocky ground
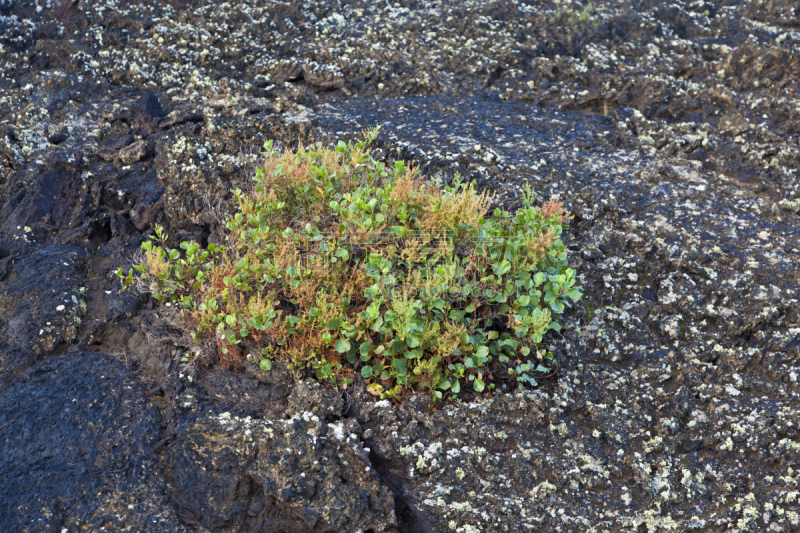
{"points": [[672, 130]]}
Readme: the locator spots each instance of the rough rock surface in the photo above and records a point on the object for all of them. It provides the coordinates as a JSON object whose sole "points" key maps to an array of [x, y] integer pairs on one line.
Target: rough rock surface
{"points": [[670, 129], [41, 302], [295, 475], [77, 441]]}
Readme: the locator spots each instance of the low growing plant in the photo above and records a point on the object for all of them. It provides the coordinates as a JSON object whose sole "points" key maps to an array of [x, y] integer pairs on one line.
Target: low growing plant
{"points": [[574, 27], [345, 267]]}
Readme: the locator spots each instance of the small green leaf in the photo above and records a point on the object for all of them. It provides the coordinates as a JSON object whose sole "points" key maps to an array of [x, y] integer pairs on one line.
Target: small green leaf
{"points": [[574, 294], [342, 345], [366, 371], [364, 349], [265, 364], [478, 385], [456, 315], [400, 231], [501, 268]]}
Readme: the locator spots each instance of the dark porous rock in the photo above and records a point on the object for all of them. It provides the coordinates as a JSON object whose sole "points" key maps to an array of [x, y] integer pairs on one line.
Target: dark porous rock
{"points": [[176, 118], [41, 303], [54, 196], [58, 191], [112, 145], [253, 392], [751, 66], [138, 151], [118, 142], [312, 397], [8, 132], [734, 123], [149, 105], [58, 138], [76, 450], [144, 214], [243, 474], [107, 153]]}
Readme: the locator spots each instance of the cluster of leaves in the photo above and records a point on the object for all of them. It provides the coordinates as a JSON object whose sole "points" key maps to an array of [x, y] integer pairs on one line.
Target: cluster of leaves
{"points": [[347, 268], [574, 26]]}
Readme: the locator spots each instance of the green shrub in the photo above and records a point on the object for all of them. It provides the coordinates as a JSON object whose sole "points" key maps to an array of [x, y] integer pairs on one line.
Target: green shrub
{"points": [[573, 27], [347, 268]]}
